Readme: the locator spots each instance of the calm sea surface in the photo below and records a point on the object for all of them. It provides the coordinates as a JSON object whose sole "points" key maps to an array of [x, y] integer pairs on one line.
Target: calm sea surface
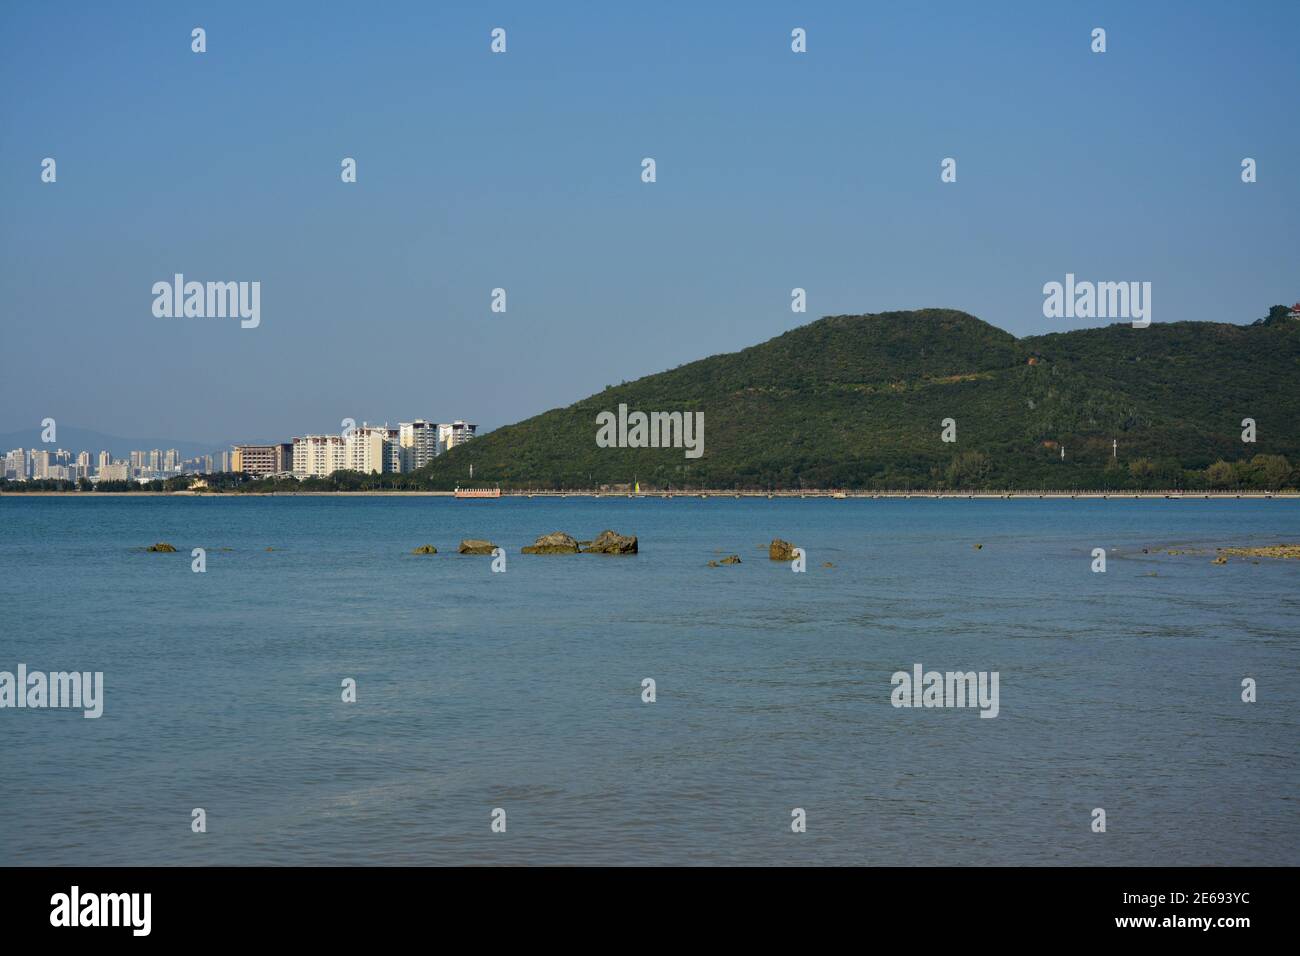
{"points": [[522, 690]]}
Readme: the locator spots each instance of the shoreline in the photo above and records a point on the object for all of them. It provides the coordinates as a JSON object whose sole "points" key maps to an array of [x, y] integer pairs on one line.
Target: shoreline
{"points": [[833, 495]]}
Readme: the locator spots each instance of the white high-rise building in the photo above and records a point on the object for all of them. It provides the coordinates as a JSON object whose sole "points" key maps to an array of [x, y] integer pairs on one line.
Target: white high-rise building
{"points": [[393, 457], [16, 465], [455, 433], [419, 443], [367, 449], [319, 456]]}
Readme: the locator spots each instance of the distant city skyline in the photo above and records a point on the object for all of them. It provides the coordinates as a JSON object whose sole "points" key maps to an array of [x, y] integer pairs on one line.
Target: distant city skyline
{"points": [[522, 171], [364, 448]]}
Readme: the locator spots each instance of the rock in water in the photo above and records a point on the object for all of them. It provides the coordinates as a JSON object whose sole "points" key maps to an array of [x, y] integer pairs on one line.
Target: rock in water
{"points": [[425, 549], [476, 546], [163, 547], [730, 559], [781, 550], [1268, 551], [557, 542], [611, 542]]}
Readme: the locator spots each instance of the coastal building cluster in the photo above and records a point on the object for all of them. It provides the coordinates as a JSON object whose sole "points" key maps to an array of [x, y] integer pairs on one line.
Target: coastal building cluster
{"points": [[370, 449], [42, 464], [366, 448]]}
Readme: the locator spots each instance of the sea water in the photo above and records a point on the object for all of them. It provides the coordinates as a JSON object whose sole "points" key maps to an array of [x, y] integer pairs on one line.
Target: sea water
{"points": [[522, 691]]}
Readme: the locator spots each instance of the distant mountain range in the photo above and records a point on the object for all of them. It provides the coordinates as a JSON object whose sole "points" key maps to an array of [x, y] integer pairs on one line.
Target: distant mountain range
{"points": [[858, 401]]}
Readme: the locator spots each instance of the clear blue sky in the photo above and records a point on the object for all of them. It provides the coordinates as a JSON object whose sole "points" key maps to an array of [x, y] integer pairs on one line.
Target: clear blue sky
{"points": [[522, 170]]}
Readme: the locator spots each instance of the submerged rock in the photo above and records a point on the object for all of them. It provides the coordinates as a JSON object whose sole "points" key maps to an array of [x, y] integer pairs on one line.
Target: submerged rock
{"points": [[162, 547], [476, 546], [731, 559], [611, 542], [425, 549], [780, 550], [557, 542]]}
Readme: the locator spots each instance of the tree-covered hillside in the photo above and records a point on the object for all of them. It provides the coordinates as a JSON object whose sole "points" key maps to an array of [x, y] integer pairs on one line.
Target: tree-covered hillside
{"points": [[858, 401]]}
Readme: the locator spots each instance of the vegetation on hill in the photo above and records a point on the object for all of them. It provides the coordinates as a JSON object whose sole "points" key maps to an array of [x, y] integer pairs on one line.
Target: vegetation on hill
{"points": [[858, 401]]}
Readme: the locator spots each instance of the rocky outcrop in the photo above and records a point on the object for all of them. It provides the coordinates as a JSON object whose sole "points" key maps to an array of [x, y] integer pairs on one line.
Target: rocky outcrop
{"points": [[162, 547], [476, 546], [780, 550], [1283, 551], [425, 549], [1280, 551], [611, 542], [557, 542]]}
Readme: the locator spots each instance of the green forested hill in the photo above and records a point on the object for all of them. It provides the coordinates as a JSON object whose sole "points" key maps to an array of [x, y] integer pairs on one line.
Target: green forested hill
{"points": [[857, 401]]}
